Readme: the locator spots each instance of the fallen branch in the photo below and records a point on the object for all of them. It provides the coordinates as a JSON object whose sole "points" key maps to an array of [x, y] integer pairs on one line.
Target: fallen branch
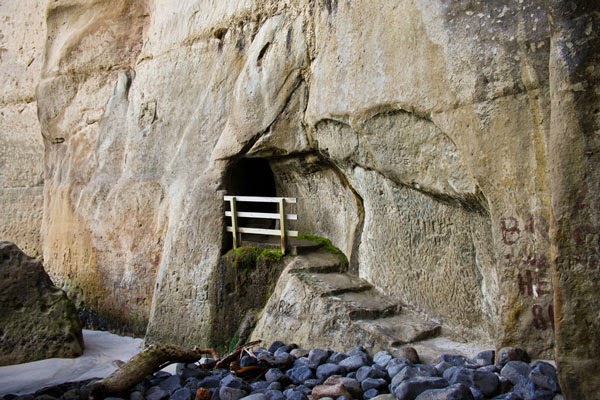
{"points": [[235, 354], [143, 364]]}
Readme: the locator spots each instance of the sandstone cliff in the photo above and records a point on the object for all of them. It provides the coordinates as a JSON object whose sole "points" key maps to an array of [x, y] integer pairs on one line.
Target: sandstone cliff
{"points": [[448, 148], [22, 39]]}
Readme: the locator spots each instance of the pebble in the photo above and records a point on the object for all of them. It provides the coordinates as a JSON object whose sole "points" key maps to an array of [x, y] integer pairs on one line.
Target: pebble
{"points": [[326, 370], [354, 362], [334, 391], [544, 376], [292, 373], [317, 357], [507, 354], [181, 394], [516, 372], [411, 388]]}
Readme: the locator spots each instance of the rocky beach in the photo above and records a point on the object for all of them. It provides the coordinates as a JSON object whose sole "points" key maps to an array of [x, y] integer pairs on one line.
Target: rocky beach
{"points": [[287, 372]]}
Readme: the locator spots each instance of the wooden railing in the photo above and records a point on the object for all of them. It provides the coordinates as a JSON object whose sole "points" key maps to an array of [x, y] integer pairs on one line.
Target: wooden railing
{"points": [[280, 216]]}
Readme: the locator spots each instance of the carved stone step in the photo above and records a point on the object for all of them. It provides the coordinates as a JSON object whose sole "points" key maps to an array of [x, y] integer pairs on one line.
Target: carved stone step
{"points": [[369, 304], [400, 329], [320, 261], [335, 283]]}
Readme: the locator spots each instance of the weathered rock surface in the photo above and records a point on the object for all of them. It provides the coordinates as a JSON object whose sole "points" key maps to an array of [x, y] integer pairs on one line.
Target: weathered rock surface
{"points": [[37, 320], [22, 40], [448, 148]]}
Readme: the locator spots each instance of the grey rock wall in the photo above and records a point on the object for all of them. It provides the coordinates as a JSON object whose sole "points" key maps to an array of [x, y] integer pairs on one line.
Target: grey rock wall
{"points": [[21, 148]]}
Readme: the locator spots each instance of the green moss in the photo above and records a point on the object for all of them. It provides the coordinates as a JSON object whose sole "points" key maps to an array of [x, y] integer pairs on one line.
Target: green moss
{"points": [[245, 258], [270, 255], [325, 243]]}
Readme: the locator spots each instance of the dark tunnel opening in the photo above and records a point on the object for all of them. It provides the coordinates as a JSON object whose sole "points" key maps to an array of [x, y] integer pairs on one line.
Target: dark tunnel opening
{"points": [[252, 177]]}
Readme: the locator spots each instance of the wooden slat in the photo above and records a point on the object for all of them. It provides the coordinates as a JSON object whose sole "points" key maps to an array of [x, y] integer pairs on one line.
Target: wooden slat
{"points": [[253, 199], [232, 203], [244, 214], [260, 231], [282, 226]]}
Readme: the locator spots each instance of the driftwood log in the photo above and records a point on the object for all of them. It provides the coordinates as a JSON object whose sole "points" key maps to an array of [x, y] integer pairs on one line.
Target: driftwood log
{"points": [[143, 364]]}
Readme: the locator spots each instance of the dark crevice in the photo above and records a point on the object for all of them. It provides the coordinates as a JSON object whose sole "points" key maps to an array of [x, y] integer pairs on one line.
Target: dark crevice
{"points": [[262, 53]]}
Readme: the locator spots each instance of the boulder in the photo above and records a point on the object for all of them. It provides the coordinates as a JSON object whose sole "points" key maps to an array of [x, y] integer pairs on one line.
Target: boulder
{"points": [[37, 320]]}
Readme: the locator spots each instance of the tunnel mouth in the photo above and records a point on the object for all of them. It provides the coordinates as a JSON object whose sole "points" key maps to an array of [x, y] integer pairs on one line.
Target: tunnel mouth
{"points": [[251, 177]]}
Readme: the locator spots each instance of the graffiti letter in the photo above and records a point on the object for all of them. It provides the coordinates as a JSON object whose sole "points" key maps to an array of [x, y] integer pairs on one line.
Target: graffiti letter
{"points": [[526, 284], [510, 230], [538, 317]]}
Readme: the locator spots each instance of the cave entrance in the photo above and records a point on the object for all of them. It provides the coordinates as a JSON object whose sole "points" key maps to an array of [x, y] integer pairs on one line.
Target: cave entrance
{"points": [[253, 177]]}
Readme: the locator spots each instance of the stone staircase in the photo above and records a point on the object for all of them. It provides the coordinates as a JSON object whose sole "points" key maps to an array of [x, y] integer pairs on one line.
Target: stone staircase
{"points": [[329, 303]]}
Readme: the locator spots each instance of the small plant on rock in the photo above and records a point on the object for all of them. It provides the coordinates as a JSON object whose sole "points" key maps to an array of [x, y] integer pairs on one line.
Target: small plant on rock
{"points": [[325, 243]]}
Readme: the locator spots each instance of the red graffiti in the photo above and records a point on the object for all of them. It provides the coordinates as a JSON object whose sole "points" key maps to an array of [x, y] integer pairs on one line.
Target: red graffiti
{"points": [[541, 320], [510, 230], [533, 284]]}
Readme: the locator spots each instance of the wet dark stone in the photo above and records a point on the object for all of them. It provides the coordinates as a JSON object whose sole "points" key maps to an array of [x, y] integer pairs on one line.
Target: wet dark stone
{"points": [[529, 391], [156, 393], [274, 395], [454, 392], [411, 388], [373, 383], [353, 363], [370, 372], [369, 394], [544, 376], [326, 370], [235, 382], [171, 384], [259, 385], [275, 375], [299, 374], [486, 382], [181, 394], [507, 354], [336, 357], [285, 349], [304, 389], [395, 365], [412, 371], [311, 383], [477, 395], [382, 358], [442, 366], [296, 395], [484, 358], [210, 382], [276, 345], [256, 396], [301, 362], [136, 396], [317, 357], [516, 371], [231, 393]]}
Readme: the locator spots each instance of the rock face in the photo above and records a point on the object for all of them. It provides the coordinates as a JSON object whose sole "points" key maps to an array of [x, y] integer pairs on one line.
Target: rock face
{"points": [[22, 42], [450, 149], [37, 320]]}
